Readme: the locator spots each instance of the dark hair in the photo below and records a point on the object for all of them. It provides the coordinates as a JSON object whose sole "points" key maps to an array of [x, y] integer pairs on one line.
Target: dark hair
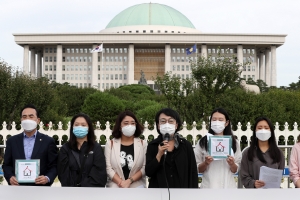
{"points": [[273, 149], [298, 138], [227, 130], [90, 136], [117, 133], [30, 106], [169, 112]]}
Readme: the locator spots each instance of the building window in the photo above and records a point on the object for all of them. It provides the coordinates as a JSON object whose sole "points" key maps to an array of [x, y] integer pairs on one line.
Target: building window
{"points": [[120, 76], [187, 68], [174, 67], [90, 68], [68, 50], [173, 59], [249, 68], [84, 76], [208, 50], [125, 68], [187, 76], [111, 68], [76, 59], [46, 67], [46, 50], [111, 77], [89, 77], [178, 67], [125, 58], [121, 50], [125, 50], [253, 51], [54, 68], [125, 76], [182, 67], [90, 59], [46, 59], [253, 77], [178, 59], [64, 68], [244, 77], [85, 50], [107, 76], [173, 50], [253, 68], [116, 76], [50, 67], [54, 76], [72, 50], [99, 67], [54, 58], [76, 77], [99, 58]]}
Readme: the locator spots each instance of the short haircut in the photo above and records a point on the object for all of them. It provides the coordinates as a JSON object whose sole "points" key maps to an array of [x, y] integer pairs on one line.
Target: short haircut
{"points": [[90, 136], [169, 112], [30, 106], [117, 133]]}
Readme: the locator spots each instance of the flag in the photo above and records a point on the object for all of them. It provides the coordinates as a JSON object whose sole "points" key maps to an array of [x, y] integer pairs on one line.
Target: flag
{"points": [[99, 48], [191, 50]]}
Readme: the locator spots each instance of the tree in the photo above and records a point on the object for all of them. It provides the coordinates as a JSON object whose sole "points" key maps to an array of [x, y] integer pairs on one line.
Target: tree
{"points": [[214, 76], [101, 106]]}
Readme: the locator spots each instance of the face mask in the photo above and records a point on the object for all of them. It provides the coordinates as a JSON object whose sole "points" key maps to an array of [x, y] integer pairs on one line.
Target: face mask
{"points": [[217, 126], [128, 130], [80, 131], [263, 134], [167, 128], [28, 125]]}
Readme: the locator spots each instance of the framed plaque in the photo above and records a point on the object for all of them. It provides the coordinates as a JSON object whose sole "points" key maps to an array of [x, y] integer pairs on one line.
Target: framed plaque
{"points": [[27, 170], [219, 146]]}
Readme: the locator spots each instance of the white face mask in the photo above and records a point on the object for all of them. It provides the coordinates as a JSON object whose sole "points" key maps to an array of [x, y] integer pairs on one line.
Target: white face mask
{"points": [[217, 126], [28, 125], [167, 128], [128, 130], [263, 134]]}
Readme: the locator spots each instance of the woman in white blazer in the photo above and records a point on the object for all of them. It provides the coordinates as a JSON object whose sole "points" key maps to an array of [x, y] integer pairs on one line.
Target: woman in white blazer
{"points": [[125, 153]]}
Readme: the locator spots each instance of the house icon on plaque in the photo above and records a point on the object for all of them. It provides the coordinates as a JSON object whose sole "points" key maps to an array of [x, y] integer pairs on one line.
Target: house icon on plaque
{"points": [[27, 172], [220, 147]]}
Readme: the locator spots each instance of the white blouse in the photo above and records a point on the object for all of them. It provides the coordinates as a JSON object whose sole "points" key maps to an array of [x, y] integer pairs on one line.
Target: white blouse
{"points": [[218, 173]]}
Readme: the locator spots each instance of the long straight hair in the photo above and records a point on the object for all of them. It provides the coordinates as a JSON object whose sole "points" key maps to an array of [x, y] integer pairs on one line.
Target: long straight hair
{"points": [[254, 149], [227, 130], [90, 136]]}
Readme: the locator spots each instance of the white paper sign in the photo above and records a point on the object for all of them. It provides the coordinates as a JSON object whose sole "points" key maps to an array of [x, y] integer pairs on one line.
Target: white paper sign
{"points": [[27, 170], [219, 146]]}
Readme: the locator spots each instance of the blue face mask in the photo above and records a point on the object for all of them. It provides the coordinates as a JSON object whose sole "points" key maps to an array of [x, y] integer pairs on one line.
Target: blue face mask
{"points": [[80, 131]]}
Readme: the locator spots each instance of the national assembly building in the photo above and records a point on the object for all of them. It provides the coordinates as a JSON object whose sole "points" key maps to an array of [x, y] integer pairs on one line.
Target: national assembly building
{"points": [[143, 40]]}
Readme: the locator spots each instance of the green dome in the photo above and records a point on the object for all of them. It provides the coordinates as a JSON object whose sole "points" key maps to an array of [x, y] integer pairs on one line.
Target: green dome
{"points": [[150, 14]]}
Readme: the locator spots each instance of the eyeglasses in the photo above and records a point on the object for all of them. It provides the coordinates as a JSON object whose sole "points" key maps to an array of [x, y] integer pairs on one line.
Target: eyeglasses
{"points": [[164, 121]]}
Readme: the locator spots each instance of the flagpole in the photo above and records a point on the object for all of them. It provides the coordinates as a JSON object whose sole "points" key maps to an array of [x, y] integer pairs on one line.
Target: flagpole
{"points": [[102, 68]]}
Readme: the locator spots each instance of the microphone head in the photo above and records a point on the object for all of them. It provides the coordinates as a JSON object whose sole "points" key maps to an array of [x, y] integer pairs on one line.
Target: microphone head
{"points": [[167, 137]]}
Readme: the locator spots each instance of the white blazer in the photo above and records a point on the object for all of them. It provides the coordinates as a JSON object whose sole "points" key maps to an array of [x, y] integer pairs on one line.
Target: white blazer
{"points": [[113, 165]]}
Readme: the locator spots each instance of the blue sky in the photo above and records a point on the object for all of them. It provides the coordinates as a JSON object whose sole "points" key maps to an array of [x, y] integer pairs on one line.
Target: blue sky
{"points": [[209, 16]]}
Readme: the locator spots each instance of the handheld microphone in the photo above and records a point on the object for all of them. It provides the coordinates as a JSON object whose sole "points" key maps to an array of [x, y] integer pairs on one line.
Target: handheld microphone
{"points": [[167, 138]]}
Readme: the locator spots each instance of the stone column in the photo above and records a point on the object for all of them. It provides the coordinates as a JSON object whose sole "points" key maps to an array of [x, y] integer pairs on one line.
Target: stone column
{"points": [[26, 59], [167, 58], [130, 71], [257, 68], [204, 50], [95, 68], [39, 65], [32, 63], [261, 66], [240, 57], [59, 63], [268, 70], [273, 66]]}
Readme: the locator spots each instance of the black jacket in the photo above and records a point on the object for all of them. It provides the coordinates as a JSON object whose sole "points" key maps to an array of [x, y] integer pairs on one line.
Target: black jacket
{"points": [[44, 149], [184, 159], [94, 173]]}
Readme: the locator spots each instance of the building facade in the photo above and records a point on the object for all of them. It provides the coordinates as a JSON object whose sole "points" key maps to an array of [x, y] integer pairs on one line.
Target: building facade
{"points": [[151, 38]]}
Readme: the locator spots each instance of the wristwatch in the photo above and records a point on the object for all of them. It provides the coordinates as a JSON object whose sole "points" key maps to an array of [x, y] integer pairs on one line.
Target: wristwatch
{"points": [[131, 179]]}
